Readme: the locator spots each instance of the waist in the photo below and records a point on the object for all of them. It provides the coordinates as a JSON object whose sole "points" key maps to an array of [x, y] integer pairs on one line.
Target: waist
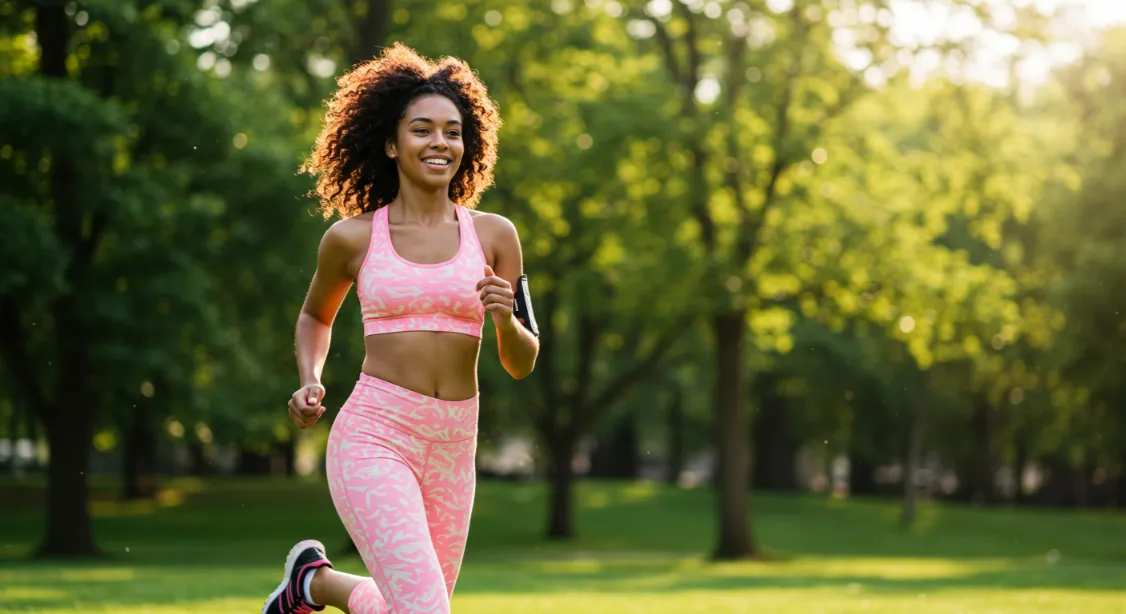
{"points": [[412, 412], [437, 364]]}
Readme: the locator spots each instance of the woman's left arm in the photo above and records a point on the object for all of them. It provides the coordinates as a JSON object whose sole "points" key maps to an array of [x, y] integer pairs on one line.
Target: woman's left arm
{"points": [[517, 345]]}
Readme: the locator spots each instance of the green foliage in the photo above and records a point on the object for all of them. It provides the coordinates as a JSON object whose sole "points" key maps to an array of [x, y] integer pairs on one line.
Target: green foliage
{"points": [[661, 168]]}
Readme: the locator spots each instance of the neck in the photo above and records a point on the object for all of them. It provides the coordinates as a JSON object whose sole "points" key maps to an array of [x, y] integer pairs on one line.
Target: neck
{"points": [[422, 205]]}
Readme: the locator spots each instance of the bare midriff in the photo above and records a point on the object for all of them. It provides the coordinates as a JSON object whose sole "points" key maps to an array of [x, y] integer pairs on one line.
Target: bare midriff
{"points": [[437, 364]]}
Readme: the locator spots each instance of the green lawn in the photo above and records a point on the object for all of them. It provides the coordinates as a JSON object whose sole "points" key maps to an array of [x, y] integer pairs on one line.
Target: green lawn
{"points": [[217, 546]]}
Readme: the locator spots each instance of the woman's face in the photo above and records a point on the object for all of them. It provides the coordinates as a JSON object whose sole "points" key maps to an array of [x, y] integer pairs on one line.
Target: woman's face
{"points": [[429, 143]]}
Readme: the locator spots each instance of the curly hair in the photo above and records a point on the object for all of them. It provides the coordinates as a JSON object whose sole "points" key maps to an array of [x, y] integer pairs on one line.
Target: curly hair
{"points": [[354, 174]]}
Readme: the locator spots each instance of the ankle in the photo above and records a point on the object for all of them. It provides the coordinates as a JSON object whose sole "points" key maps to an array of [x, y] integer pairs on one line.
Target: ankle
{"points": [[318, 583]]}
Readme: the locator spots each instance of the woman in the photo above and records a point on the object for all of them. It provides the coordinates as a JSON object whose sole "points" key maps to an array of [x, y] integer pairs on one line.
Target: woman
{"points": [[407, 148]]}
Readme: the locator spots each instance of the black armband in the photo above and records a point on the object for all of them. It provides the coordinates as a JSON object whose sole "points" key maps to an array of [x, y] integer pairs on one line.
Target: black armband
{"points": [[523, 308]]}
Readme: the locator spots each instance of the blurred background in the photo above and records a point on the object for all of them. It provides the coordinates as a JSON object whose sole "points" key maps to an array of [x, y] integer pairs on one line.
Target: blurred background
{"points": [[827, 291]]}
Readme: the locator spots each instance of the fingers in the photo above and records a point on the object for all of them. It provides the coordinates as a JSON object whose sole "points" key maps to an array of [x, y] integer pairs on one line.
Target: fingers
{"points": [[491, 279], [303, 421], [497, 299], [314, 395], [494, 291], [298, 417], [304, 406]]}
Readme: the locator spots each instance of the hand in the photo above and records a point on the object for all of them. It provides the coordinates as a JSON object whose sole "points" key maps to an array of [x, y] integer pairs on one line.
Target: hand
{"points": [[498, 298], [305, 405]]}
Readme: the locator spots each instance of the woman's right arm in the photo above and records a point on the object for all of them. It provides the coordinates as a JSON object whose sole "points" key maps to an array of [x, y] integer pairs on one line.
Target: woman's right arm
{"points": [[327, 291], [330, 285]]}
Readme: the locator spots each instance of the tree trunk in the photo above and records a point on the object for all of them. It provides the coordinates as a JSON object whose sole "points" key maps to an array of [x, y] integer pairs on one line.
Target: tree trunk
{"points": [[200, 464], [69, 529], [14, 436], [735, 540], [1081, 479], [980, 487], [1020, 463], [371, 34], [288, 451], [617, 453], [70, 432], [676, 438], [774, 447], [251, 462], [559, 523], [914, 458], [861, 475], [139, 466], [68, 418]]}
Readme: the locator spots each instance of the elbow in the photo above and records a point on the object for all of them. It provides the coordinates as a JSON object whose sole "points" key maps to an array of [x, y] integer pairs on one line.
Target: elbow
{"points": [[518, 355], [307, 317], [520, 369], [519, 372]]}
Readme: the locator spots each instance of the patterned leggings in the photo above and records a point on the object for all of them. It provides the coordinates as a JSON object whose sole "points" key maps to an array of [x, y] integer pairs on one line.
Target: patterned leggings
{"points": [[402, 476]]}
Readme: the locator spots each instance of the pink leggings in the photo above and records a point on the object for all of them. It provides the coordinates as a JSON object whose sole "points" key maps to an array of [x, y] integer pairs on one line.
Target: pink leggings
{"points": [[401, 473]]}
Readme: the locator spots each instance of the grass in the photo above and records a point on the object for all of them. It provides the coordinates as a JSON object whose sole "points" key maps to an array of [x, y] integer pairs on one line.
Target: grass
{"points": [[217, 546]]}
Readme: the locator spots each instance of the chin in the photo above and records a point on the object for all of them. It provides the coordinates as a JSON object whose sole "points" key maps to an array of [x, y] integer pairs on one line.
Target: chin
{"points": [[435, 183], [432, 180]]}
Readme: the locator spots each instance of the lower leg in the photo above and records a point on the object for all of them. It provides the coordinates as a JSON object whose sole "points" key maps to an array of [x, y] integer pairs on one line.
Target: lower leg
{"points": [[333, 588]]}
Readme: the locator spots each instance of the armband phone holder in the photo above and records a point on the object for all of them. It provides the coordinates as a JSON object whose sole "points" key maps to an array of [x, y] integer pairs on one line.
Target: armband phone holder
{"points": [[523, 306]]}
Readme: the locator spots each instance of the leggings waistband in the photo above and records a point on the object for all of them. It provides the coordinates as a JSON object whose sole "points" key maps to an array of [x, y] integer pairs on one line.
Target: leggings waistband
{"points": [[415, 413]]}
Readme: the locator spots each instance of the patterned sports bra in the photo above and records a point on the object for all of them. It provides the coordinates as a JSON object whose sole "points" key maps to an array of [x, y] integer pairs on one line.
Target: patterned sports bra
{"points": [[397, 295]]}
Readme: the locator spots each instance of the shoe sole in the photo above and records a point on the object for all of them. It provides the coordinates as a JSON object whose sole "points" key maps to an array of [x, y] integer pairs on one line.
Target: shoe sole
{"points": [[290, 561]]}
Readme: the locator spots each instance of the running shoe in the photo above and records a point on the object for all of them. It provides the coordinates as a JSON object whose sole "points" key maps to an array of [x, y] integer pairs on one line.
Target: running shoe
{"points": [[289, 597]]}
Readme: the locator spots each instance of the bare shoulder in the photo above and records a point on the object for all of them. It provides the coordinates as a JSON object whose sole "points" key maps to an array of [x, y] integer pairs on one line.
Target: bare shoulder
{"points": [[493, 227], [500, 242], [344, 245], [349, 234]]}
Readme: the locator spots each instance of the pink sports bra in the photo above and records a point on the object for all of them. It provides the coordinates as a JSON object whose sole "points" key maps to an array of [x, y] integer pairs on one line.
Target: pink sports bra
{"points": [[397, 295]]}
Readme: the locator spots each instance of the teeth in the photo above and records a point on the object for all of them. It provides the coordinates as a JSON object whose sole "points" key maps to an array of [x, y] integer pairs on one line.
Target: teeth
{"points": [[436, 161]]}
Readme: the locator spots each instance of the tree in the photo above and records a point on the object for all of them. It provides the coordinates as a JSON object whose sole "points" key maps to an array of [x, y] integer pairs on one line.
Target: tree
{"points": [[113, 178], [594, 228]]}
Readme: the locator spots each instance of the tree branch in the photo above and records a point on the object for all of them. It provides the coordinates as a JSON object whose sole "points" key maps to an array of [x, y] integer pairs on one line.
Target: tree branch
{"points": [[590, 331], [613, 391], [668, 50], [737, 51], [691, 41], [686, 78], [752, 225]]}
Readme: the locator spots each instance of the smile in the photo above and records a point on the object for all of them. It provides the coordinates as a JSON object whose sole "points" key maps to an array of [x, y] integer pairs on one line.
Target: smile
{"points": [[436, 162]]}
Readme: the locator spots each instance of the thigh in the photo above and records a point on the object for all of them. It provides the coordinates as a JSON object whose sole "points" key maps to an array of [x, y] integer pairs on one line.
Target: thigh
{"points": [[448, 487], [379, 500]]}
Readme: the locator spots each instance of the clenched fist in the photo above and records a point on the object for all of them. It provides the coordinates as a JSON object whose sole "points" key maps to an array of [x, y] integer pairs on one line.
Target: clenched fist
{"points": [[497, 296], [305, 405]]}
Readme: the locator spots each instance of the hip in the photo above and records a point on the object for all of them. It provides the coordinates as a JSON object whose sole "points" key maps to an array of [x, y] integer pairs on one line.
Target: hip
{"points": [[376, 402]]}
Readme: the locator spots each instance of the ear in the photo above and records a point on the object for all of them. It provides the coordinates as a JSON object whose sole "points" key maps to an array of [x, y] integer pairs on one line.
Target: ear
{"points": [[389, 149]]}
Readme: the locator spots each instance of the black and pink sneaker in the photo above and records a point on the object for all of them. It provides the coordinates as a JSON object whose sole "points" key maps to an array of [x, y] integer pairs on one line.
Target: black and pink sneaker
{"points": [[289, 597]]}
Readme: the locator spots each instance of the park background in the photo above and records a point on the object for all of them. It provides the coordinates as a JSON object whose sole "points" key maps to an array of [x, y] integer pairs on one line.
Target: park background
{"points": [[830, 295]]}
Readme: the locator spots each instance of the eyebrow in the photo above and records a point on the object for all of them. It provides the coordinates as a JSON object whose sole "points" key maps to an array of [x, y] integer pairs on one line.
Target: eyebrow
{"points": [[430, 121]]}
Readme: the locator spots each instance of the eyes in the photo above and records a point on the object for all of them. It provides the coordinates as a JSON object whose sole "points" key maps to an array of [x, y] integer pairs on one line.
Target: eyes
{"points": [[453, 134]]}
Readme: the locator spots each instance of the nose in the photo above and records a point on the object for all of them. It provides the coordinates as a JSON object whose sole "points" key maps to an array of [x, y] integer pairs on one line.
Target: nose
{"points": [[439, 141]]}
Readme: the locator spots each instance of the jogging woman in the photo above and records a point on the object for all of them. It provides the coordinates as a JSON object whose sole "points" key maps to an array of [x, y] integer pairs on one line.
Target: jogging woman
{"points": [[407, 148]]}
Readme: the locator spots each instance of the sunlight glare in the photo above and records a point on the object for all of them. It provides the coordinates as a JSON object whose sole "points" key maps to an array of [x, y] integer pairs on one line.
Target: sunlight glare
{"points": [[915, 23]]}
